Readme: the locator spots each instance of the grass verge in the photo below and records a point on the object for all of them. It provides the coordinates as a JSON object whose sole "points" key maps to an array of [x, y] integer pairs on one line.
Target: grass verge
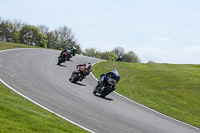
{"points": [[20, 115], [171, 89], [5, 45]]}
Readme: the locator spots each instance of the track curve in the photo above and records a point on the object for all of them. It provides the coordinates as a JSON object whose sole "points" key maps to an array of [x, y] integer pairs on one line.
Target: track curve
{"points": [[34, 73]]}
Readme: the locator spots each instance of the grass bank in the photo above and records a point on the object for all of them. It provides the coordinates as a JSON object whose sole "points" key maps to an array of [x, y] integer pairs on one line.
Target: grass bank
{"points": [[20, 115], [5, 45], [171, 89]]}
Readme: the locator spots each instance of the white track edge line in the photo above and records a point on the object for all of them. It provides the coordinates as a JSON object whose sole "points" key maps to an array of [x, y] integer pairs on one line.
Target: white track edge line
{"points": [[40, 104], [146, 106]]}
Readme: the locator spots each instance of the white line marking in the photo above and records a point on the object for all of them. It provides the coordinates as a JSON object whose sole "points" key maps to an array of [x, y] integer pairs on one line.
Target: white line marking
{"points": [[97, 80], [38, 103], [145, 106]]}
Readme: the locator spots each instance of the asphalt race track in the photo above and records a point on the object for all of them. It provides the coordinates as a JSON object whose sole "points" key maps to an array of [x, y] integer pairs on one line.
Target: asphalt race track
{"points": [[34, 73]]}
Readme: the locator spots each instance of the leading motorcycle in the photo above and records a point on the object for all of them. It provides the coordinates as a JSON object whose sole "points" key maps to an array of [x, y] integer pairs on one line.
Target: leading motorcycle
{"points": [[62, 58], [103, 88]]}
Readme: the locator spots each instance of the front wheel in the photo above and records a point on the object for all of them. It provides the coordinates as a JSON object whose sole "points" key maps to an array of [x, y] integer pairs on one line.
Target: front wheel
{"points": [[94, 91], [105, 92], [73, 79]]}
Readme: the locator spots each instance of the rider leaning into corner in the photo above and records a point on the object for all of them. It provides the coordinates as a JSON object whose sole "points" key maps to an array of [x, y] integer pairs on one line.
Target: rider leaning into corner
{"points": [[62, 54], [114, 77], [87, 67]]}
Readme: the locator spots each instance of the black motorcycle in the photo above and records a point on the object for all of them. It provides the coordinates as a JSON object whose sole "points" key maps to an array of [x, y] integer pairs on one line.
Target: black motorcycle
{"points": [[104, 88]]}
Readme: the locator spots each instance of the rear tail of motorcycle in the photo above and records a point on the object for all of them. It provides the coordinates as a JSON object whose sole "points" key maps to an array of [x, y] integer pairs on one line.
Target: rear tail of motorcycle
{"points": [[59, 60]]}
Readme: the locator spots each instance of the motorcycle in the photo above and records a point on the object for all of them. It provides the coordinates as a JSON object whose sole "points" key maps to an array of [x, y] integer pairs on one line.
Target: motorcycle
{"points": [[104, 88], [78, 74], [62, 58]]}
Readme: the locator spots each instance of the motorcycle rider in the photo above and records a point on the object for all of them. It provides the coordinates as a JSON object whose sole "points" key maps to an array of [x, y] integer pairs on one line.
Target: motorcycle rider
{"points": [[62, 56], [114, 77], [88, 68], [120, 58], [73, 50]]}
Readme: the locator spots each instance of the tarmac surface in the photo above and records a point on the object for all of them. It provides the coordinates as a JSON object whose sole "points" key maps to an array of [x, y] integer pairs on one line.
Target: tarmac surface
{"points": [[34, 73]]}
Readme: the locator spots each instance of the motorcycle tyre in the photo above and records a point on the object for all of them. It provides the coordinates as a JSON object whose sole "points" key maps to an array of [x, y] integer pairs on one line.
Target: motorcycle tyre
{"points": [[95, 90], [68, 58], [105, 92], [73, 79]]}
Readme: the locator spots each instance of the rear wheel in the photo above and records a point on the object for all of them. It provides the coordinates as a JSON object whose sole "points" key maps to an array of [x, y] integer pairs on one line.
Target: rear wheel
{"points": [[68, 58], [59, 61]]}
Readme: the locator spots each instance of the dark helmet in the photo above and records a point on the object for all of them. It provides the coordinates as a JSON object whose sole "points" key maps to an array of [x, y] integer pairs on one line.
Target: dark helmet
{"points": [[89, 62]]}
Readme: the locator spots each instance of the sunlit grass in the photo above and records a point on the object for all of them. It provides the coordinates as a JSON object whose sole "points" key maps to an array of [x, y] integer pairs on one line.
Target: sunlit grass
{"points": [[20, 115], [5, 45], [171, 89]]}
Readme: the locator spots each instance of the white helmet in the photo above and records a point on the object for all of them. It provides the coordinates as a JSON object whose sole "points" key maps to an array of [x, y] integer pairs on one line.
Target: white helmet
{"points": [[114, 70]]}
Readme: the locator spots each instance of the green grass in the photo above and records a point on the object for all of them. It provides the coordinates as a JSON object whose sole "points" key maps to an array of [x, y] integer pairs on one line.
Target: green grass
{"points": [[171, 89], [18, 115], [5, 45]]}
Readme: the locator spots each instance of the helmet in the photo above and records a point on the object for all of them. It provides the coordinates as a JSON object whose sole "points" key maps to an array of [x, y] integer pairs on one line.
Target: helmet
{"points": [[114, 70], [89, 62], [74, 47]]}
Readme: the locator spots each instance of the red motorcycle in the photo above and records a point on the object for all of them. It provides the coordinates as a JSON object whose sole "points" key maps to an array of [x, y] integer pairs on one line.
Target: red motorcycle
{"points": [[79, 74]]}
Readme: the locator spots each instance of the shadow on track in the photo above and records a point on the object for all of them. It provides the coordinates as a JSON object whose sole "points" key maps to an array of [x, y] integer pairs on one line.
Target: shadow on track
{"points": [[61, 65], [79, 84], [105, 98]]}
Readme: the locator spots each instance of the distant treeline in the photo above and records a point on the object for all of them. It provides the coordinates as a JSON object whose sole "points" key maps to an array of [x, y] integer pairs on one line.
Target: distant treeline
{"points": [[113, 55], [17, 31]]}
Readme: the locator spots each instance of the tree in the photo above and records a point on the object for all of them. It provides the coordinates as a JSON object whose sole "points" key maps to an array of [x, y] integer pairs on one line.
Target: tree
{"points": [[31, 35], [79, 51], [92, 52], [1, 19], [8, 32], [150, 61], [108, 56], [51, 40], [63, 37], [43, 29], [118, 51], [131, 57], [18, 24]]}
